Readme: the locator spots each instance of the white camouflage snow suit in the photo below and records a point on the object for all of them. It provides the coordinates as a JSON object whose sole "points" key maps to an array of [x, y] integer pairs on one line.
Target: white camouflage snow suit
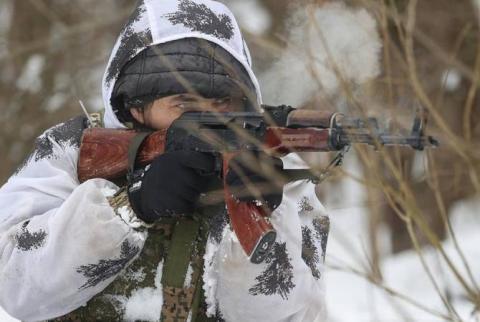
{"points": [[63, 246]]}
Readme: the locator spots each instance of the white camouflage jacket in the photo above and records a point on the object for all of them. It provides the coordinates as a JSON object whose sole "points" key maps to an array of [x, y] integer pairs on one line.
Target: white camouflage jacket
{"points": [[56, 234]]}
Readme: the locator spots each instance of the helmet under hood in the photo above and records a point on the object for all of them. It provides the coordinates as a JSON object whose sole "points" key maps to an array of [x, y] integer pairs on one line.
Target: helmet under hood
{"points": [[186, 46]]}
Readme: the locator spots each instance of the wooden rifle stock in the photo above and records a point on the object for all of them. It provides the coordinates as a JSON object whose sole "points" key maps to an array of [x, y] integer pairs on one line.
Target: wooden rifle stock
{"points": [[104, 152]]}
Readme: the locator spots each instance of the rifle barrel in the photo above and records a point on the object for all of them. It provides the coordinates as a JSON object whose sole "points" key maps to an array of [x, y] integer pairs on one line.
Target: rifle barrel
{"points": [[415, 142]]}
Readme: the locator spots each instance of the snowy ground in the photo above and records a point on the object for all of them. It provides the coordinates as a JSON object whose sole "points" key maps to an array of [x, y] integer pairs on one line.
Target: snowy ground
{"points": [[352, 298]]}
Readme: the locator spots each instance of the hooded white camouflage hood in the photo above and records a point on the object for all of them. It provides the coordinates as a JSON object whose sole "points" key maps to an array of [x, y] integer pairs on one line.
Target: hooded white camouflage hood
{"points": [[156, 22]]}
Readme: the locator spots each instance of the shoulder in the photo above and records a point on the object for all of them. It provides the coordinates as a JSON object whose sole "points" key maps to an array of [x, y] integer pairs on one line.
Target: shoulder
{"points": [[66, 134], [55, 141]]}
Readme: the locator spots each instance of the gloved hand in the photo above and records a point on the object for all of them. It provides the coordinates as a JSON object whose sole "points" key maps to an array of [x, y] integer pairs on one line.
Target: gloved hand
{"points": [[256, 176], [172, 184]]}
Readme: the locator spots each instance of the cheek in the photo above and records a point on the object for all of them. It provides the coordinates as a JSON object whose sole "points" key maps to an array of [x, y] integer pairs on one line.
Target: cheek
{"points": [[164, 118]]}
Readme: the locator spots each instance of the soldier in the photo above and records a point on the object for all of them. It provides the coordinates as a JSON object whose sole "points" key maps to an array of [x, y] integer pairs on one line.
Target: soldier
{"points": [[134, 250]]}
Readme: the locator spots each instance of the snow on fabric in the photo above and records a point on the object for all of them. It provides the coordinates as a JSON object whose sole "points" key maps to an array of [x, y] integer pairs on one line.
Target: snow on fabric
{"points": [[145, 304], [210, 276], [333, 40]]}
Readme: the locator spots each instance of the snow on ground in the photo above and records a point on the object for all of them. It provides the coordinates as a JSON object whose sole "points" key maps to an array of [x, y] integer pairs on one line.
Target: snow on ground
{"points": [[350, 297]]}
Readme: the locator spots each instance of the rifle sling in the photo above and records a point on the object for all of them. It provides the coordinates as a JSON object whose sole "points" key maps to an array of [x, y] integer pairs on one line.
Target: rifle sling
{"points": [[179, 253], [309, 174], [133, 151], [186, 248]]}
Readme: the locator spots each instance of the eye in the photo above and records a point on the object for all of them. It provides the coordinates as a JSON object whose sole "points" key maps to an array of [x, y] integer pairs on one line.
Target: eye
{"points": [[221, 101]]}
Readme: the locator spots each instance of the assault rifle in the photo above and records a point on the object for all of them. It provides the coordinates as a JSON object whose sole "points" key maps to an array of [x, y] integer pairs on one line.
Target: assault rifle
{"points": [[104, 153]]}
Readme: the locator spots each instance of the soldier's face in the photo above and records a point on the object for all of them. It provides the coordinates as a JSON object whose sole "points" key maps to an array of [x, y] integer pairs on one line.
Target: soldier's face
{"points": [[164, 111]]}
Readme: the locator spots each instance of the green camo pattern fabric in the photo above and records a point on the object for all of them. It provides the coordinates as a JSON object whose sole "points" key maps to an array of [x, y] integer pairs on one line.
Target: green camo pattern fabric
{"points": [[106, 306]]}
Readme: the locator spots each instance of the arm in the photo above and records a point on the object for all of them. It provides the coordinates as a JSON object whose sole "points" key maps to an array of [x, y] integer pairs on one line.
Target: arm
{"points": [[60, 242]]}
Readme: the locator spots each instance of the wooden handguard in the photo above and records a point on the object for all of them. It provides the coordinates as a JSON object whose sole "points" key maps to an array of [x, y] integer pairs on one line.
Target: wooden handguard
{"points": [[250, 222]]}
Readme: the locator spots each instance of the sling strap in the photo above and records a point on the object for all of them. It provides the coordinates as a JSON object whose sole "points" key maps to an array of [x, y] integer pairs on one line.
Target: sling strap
{"points": [[181, 299]]}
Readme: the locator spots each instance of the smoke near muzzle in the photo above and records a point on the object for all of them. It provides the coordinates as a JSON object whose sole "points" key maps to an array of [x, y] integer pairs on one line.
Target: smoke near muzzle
{"points": [[328, 47]]}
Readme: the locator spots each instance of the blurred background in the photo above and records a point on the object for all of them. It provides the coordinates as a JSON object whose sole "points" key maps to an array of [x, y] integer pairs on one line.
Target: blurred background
{"points": [[404, 242]]}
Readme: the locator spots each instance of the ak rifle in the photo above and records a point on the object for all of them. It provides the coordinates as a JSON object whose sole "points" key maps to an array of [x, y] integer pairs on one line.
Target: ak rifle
{"points": [[105, 153]]}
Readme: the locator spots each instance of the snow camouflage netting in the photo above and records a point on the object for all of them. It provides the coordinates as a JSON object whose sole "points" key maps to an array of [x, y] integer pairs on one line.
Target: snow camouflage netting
{"points": [[68, 133], [198, 17], [27, 240], [105, 269], [51, 225]]}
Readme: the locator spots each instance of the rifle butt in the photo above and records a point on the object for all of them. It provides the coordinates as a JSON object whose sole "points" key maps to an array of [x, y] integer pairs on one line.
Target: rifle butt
{"points": [[104, 152]]}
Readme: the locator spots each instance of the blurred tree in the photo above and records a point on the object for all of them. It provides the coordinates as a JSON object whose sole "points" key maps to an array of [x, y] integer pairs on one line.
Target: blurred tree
{"points": [[55, 53], [446, 55]]}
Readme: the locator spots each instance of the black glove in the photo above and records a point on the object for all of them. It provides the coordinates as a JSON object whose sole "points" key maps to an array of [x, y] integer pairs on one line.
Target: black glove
{"points": [[256, 176], [172, 184]]}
